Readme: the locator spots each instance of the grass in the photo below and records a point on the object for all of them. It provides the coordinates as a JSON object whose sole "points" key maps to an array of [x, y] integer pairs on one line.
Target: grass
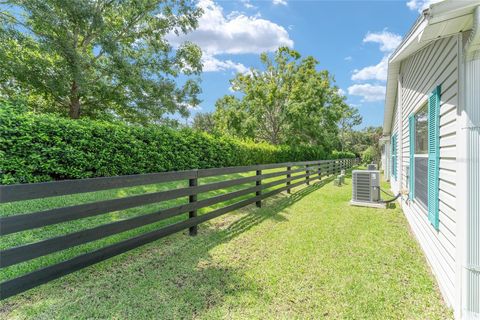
{"points": [[36, 235], [308, 255]]}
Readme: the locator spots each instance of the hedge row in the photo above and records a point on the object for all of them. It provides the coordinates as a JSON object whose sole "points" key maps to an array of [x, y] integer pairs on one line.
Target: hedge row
{"points": [[35, 148]]}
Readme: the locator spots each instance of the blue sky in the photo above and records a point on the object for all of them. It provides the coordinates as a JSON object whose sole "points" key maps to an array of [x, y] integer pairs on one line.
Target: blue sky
{"points": [[351, 39]]}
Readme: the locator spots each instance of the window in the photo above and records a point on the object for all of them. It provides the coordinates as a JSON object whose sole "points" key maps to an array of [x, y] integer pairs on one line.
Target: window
{"points": [[394, 156], [425, 156], [421, 131], [421, 157]]}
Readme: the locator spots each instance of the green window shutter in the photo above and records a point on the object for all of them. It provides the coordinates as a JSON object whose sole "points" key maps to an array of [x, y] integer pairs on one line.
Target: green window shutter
{"points": [[391, 156], [394, 156], [396, 164], [411, 127], [433, 155]]}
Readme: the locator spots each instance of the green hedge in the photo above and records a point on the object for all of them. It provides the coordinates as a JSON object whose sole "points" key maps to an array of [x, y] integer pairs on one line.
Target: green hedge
{"points": [[36, 148]]}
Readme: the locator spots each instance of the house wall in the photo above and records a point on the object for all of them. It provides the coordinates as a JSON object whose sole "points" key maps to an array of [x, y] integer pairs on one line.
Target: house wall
{"points": [[436, 64]]}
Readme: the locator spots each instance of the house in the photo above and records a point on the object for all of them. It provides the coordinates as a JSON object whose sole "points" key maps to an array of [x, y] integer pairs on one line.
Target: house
{"points": [[431, 144]]}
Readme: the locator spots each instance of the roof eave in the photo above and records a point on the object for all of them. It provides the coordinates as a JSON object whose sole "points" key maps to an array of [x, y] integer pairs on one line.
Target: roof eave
{"points": [[418, 37]]}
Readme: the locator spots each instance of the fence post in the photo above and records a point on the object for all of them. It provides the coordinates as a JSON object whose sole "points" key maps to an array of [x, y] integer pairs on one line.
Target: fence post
{"points": [[319, 171], [191, 199], [288, 177], [259, 192], [307, 172]]}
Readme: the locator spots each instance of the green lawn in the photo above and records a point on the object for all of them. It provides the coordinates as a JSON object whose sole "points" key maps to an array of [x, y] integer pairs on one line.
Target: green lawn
{"points": [[308, 255]]}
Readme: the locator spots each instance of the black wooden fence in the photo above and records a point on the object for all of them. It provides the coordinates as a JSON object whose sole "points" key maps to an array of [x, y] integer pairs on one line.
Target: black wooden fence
{"points": [[309, 171]]}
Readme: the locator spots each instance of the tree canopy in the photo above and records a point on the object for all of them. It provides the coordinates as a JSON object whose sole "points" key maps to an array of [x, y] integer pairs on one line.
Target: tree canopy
{"points": [[100, 58], [361, 140], [288, 102]]}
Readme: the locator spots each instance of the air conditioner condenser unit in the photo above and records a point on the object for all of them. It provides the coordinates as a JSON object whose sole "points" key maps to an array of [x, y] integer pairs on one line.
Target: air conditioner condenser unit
{"points": [[366, 189]]}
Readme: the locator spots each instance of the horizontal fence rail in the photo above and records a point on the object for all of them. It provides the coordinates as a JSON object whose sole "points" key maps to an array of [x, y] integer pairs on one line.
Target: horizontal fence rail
{"points": [[294, 175]]}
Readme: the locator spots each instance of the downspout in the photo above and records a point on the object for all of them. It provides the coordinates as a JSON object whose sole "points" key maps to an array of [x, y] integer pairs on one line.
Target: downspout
{"points": [[471, 134]]}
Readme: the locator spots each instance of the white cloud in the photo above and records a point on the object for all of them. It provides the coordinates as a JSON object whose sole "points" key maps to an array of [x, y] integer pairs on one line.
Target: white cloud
{"points": [[247, 4], [388, 41], [279, 2], [376, 72], [212, 64], [235, 33], [349, 58], [420, 5], [368, 92], [341, 92], [190, 107]]}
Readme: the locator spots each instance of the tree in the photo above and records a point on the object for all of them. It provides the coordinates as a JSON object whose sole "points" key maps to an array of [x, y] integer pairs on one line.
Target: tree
{"points": [[204, 121], [289, 102], [232, 119], [350, 119], [359, 141], [369, 155], [99, 58]]}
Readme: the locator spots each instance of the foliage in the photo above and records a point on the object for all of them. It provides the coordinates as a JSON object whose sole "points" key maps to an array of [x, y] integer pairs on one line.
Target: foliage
{"points": [[37, 148], [290, 102], [204, 121], [102, 59], [341, 154], [351, 118], [359, 141], [369, 155]]}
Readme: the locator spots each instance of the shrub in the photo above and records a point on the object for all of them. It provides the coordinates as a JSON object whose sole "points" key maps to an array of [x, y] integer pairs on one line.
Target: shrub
{"points": [[342, 154], [368, 155], [35, 148]]}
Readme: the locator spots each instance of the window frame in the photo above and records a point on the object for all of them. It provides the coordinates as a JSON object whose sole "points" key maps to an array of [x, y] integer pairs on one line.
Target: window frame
{"points": [[423, 107]]}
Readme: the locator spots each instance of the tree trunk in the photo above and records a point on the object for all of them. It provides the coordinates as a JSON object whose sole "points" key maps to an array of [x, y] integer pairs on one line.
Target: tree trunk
{"points": [[74, 101]]}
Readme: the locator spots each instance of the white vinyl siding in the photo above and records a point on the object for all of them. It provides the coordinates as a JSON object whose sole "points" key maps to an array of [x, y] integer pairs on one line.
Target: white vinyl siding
{"points": [[436, 64]]}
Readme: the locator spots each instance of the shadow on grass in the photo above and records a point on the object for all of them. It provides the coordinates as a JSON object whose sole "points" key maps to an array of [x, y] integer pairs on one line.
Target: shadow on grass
{"points": [[175, 277], [270, 210]]}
